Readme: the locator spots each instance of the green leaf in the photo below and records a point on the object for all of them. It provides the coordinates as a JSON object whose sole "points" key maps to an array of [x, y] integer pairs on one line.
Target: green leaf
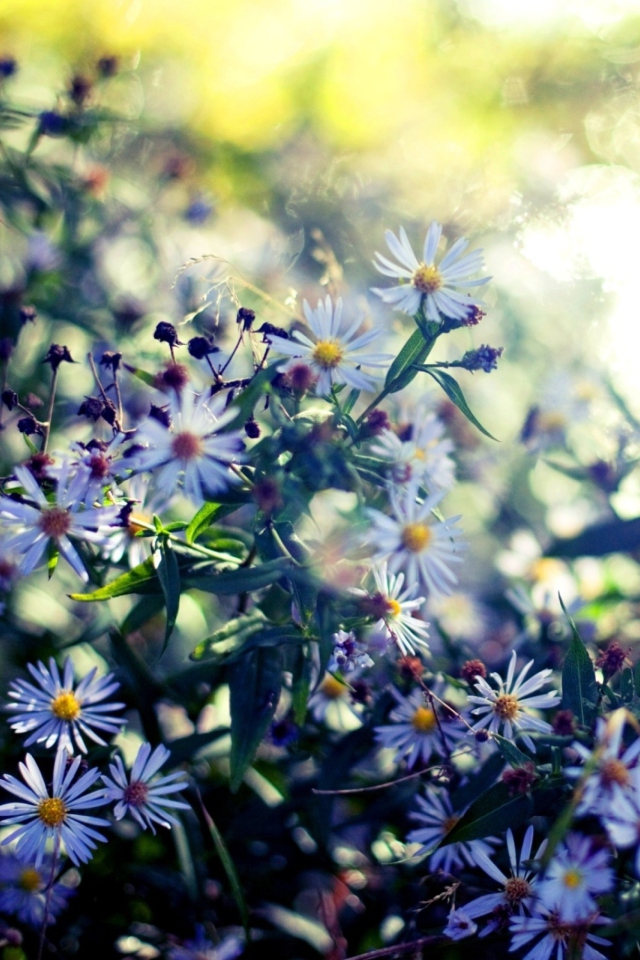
{"points": [[244, 579], [579, 686], [142, 579], [301, 685], [206, 515], [254, 685], [492, 813], [403, 369], [140, 613], [511, 753], [453, 390], [230, 870], [240, 627], [147, 378], [169, 577]]}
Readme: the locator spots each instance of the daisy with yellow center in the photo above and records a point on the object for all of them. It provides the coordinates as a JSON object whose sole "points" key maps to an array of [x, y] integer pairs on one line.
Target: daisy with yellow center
{"points": [[418, 453], [504, 710], [577, 873], [394, 610], [434, 289], [334, 355], [26, 892], [436, 818], [413, 540], [416, 733], [58, 713], [59, 815]]}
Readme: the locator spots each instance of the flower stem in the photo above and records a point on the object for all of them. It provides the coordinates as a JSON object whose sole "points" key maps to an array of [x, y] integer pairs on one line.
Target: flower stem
{"points": [[47, 902], [52, 398]]}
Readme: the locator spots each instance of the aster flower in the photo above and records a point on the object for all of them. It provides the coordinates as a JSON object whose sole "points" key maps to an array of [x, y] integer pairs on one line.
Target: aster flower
{"points": [[139, 795], [418, 454], [574, 874], [437, 819], [145, 504], [192, 453], [459, 925], [59, 816], [517, 893], [41, 523], [610, 780], [622, 817], [505, 707], [414, 733], [24, 891], [334, 355], [557, 937], [414, 541], [348, 653], [394, 607], [203, 949], [97, 464], [434, 288], [331, 703], [55, 712]]}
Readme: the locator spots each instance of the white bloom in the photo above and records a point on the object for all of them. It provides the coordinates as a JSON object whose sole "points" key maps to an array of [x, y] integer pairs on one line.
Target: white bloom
{"points": [[437, 819], [334, 354], [395, 608], [145, 505], [435, 288], [557, 937], [505, 707], [331, 703], [575, 872], [414, 732], [97, 464], [622, 819], [414, 541], [419, 454], [41, 522], [192, 452], [611, 778]]}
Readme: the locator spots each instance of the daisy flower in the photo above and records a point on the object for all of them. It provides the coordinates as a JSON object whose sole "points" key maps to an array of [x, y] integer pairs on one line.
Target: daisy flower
{"points": [[517, 893], [414, 541], [505, 707], [395, 607], [333, 355], [58, 816], [622, 818], [437, 819], [414, 733], [192, 453], [574, 874], [611, 777], [24, 891], [96, 461], [331, 703], [557, 937], [434, 288], [55, 712], [139, 794], [459, 925], [203, 949], [418, 454], [144, 504], [41, 523]]}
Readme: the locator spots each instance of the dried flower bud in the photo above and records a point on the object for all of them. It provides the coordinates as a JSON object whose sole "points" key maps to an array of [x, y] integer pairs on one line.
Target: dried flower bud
{"points": [[56, 354], [564, 723], [175, 376], [200, 347], [52, 124], [109, 413], [411, 668], [79, 89], [252, 428], [481, 736], [6, 349], [270, 330], [166, 333], [375, 423], [111, 359], [520, 779], [161, 414], [245, 317], [299, 378], [28, 313], [471, 669], [611, 660], [39, 464], [107, 66], [267, 495], [473, 317], [10, 399], [29, 426], [91, 407]]}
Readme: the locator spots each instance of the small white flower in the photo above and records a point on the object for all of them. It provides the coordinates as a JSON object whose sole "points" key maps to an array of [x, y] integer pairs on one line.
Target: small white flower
{"points": [[395, 608], [574, 874], [139, 794], [334, 354], [610, 782], [414, 541], [437, 819], [331, 703], [435, 288], [505, 707], [192, 452], [419, 454], [556, 937], [40, 523], [414, 732], [53, 712]]}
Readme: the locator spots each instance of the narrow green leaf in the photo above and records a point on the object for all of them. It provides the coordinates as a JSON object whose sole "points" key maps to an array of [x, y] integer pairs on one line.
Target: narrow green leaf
{"points": [[254, 685], [147, 378], [511, 753], [240, 627], [169, 577], [231, 872], [301, 685], [206, 515], [244, 579], [453, 390], [492, 813], [403, 369], [142, 579], [579, 686], [53, 555]]}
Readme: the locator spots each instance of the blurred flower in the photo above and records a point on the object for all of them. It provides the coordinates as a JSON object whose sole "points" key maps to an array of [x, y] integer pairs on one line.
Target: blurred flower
{"points": [[24, 891], [557, 938], [331, 703], [333, 356], [414, 732], [97, 463], [192, 452], [139, 795], [42, 523], [411, 539], [610, 766], [41, 254], [59, 816], [459, 925], [437, 819], [394, 608], [436, 289], [58, 713], [348, 653], [575, 872], [142, 505], [203, 949], [419, 453]]}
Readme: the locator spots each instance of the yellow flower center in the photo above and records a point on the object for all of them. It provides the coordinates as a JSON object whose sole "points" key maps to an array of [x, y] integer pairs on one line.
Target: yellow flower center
{"points": [[393, 608], [572, 879], [52, 811], [427, 279], [516, 889], [55, 522], [328, 354], [614, 771], [30, 880], [416, 537], [506, 706], [423, 720], [65, 706], [332, 688], [135, 523], [186, 446]]}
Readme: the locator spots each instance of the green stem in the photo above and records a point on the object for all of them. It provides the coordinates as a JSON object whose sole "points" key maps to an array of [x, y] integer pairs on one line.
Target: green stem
{"points": [[52, 398]]}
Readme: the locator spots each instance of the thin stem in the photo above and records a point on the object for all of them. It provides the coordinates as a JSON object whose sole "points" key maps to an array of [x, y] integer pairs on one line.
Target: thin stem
{"points": [[47, 902], [213, 554], [412, 946], [116, 384], [232, 355], [52, 398]]}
